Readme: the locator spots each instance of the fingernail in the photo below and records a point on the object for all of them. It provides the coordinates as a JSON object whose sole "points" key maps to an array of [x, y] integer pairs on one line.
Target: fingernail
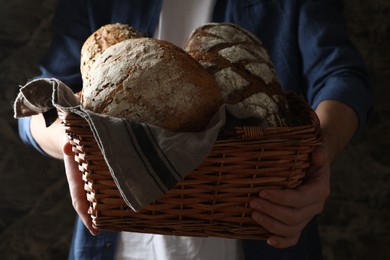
{"points": [[255, 204], [272, 242], [258, 217], [264, 194]]}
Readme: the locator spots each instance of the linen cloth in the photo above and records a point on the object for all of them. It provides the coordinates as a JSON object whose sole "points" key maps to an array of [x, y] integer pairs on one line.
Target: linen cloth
{"points": [[145, 161]]}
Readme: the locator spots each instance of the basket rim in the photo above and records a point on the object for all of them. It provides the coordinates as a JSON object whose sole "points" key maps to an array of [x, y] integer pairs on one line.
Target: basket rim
{"points": [[312, 127]]}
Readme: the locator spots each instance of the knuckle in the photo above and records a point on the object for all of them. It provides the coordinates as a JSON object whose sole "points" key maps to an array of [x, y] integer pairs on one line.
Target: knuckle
{"points": [[291, 241], [266, 209], [283, 197], [293, 232], [301, 201], [320, 208], [269, 225], [295, 220], [326, 192]]}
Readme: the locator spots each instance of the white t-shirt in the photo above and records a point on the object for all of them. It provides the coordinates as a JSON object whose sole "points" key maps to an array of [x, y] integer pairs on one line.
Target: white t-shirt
{"points": [[178, 19], [138, 246]]}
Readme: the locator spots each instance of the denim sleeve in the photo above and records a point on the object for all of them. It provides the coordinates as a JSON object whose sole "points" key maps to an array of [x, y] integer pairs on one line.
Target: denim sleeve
{"points": [[62, 60], [25, 134], [70, 29], [333, 69]]}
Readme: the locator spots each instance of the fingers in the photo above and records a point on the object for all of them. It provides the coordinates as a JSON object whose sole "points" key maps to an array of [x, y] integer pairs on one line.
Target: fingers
{"points": [[285, 233], [284, 223], [300, 198], [314, 191], [76, 188], [284, 213]]}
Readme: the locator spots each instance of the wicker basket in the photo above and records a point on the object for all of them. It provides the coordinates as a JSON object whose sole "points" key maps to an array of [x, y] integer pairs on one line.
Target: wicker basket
{"points": [[213, 199]]}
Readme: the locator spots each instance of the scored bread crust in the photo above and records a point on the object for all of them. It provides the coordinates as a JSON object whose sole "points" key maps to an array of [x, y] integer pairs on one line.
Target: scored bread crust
{"points": [[242, 67], [152, 81], [100, 40]]}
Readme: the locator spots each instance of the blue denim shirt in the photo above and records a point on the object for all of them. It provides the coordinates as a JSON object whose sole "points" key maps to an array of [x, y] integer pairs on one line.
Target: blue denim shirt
{"points": [[308, 44]]}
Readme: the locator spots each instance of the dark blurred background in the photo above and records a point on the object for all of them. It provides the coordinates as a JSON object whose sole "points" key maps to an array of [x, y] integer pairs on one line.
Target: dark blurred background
{"points": [[36, 216]]}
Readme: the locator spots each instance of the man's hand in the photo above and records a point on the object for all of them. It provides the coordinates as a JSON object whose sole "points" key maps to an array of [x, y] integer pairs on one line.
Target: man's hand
{"points": [[76, 188], [285, 213]]}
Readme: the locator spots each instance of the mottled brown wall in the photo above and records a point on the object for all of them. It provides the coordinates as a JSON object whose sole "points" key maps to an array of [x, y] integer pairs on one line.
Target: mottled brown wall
{"points": [[36, 217], [355, 224]]}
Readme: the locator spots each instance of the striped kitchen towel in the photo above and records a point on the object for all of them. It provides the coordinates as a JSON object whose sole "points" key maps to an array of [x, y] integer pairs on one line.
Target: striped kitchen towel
{"points": [[145, 161]]}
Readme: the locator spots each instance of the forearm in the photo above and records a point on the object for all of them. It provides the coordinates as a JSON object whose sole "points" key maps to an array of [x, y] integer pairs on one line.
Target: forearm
{"points": [[51, 139], [338, 124]]}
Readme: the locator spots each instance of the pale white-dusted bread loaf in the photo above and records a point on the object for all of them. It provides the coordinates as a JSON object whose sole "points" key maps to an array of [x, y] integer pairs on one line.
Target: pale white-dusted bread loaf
{"points": [[100, 40], [152, 81], [242, 67]]}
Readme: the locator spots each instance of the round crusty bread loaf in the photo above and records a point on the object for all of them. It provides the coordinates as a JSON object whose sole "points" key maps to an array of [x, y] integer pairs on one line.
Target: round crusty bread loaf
{"points": [[242, 67], [152, 81], [100, 40]]}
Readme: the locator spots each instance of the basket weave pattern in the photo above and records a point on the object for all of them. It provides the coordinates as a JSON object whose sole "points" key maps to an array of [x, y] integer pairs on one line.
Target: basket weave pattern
{"points": [[213, 199]]}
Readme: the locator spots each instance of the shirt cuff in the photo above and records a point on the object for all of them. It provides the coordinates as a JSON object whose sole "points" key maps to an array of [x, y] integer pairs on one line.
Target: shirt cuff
{"points": [[26, 136], [352, 92]]}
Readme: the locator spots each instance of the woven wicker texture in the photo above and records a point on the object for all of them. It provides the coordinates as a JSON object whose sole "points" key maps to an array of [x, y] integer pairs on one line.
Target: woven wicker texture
{"points": [[213, 199]]}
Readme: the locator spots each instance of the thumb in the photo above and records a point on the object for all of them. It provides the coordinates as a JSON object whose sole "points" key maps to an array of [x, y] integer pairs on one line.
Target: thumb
{"points": [[76, 188]]}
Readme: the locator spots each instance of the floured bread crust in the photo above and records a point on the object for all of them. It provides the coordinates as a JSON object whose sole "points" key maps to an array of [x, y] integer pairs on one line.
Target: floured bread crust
{"points": [[243, 69], [152, 81], [100, 40]]}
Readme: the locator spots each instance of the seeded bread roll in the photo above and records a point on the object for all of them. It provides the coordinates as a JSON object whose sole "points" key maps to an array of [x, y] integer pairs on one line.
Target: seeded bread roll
{"points": [[100, 40], [242, 67], [152, 81]]}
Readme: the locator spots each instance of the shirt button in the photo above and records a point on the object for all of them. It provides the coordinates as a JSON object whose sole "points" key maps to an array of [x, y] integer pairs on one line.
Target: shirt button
{"points": [[108, 245]]}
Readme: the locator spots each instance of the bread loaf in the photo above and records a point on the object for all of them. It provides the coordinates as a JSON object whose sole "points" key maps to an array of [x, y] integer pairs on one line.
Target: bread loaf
{"points": [[100, 40], [152, 81], [242, 67]]}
